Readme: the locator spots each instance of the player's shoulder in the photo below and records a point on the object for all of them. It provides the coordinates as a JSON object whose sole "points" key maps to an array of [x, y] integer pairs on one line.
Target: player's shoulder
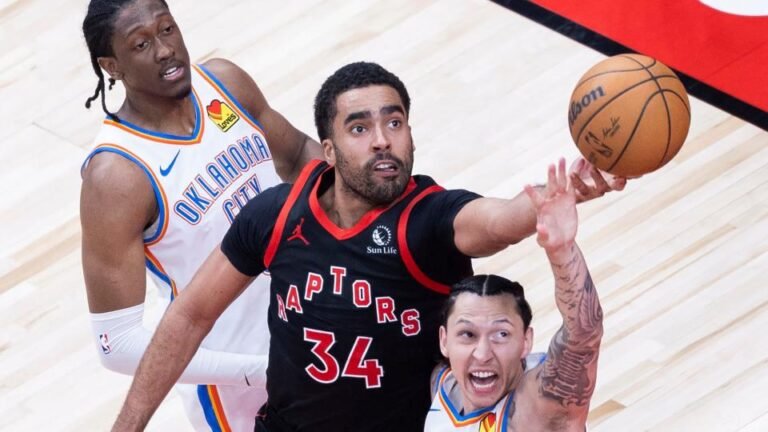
{"points": [[113, 184], [227, 72], [113, 172]]}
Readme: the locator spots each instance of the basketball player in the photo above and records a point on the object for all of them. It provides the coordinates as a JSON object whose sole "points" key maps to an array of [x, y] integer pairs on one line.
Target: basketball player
{"points": [[361, 256], [492, 382], [190, 145]]}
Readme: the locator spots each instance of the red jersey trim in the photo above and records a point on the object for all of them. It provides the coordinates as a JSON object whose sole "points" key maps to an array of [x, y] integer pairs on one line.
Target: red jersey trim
{"points": [[277, 233], [363, 223], [405, 252]]}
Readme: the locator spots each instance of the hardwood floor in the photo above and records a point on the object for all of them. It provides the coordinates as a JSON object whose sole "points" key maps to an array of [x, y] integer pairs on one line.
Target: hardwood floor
{"points": [[678, 257]]}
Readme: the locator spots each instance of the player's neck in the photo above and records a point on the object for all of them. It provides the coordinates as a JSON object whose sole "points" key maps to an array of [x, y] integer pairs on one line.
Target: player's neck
{"points": [[167, 115], [343, 206]]}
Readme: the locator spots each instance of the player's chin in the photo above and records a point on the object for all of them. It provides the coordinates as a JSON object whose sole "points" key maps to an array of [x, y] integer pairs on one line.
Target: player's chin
{"points": [[183, 91]]}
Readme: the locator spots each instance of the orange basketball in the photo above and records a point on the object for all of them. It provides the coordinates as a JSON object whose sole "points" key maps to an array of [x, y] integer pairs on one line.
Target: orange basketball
{"points": [[629, 115]]}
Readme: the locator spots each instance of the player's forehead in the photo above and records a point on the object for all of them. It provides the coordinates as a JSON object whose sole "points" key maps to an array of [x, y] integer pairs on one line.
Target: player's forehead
{"points": [[473, 309], [138, 14], [375, 99]]}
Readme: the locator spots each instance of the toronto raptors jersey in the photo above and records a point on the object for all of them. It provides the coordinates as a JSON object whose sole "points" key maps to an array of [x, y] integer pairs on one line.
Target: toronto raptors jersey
{"points": [[201, 182], [354, 319], [445, 414]]}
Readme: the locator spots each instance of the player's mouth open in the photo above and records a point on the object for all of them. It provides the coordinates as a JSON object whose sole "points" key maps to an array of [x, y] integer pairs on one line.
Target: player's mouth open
{"points": [[172, 73], [483, 381], [386, 167]]}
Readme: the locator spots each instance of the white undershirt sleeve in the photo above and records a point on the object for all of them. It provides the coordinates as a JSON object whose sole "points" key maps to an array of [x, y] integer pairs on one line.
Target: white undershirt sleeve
{"points": [[121, 340]]}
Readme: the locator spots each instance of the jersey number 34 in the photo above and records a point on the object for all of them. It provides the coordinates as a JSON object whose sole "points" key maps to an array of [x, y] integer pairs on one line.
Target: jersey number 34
{"points": [[355, 367]]}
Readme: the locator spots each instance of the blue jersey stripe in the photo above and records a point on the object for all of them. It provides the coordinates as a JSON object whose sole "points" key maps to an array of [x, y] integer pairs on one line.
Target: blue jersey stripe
{"points": [[207, 405], [192, 137]]}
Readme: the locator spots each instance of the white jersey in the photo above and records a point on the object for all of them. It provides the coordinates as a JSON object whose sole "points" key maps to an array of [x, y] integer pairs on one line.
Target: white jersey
{"points": [[200, 183], [445, 414]]}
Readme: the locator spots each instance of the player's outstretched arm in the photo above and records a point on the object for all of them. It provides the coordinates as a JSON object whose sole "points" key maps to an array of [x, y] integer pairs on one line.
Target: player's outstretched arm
{"points": [[291, 149], [488, 225], [565, 382], [193, 313]]}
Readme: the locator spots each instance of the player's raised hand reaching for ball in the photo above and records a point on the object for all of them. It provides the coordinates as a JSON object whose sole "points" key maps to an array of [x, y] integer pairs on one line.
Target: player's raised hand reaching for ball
{"points": [[555, 206]]}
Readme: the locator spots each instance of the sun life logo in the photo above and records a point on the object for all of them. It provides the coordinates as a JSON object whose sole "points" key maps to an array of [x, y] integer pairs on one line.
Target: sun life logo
{"points": [[382, 237]]}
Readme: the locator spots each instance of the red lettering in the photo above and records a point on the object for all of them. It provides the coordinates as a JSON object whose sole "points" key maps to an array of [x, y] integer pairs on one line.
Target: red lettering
{"points": [[293, 301], [314, 285], [385, 310], [411, 323], [361, 293], [338, 277], [281, 309]]}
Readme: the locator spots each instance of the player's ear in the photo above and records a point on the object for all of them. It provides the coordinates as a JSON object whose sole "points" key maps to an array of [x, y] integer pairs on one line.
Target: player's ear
{"points": [[109, 64], [328, 151], [444, 341], [528, 343]]}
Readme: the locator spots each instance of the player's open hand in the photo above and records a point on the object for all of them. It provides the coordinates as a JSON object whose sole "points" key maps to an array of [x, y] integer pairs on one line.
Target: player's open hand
{"points": [[555, 206], [591, 183]]}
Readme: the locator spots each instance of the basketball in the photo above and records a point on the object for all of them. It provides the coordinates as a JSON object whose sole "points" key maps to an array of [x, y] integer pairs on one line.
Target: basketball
{"points": [[629, 115]]}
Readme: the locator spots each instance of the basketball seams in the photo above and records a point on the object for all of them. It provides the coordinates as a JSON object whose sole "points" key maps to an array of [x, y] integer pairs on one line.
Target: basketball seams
{"points": [[666, 109], [599, 74], [632, 134], [641, 147], [605, 105]]}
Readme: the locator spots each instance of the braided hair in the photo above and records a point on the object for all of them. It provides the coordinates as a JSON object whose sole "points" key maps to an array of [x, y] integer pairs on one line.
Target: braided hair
{"points": [[98, 29]]}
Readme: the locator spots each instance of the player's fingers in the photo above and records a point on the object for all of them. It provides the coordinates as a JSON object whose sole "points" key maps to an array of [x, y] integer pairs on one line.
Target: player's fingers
{"points": [[600, 184], [577, 166], [618, 183], [562, 179], [578, 184], [551, 180], [533, 194]]}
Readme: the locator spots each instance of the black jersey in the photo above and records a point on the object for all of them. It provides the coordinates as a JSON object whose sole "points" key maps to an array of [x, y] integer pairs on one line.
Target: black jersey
{"points": [[354, 313]]}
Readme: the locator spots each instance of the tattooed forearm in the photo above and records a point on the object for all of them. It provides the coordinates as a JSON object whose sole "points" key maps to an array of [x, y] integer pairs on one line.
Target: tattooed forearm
{"points": [[568, 376]]}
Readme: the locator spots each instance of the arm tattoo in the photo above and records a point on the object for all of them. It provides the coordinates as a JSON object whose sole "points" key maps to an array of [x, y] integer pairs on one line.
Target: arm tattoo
{"points": [[568, 376]]}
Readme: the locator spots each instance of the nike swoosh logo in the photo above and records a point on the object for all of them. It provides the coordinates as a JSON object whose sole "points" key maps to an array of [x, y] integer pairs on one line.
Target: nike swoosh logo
{"points": [[165, 171]]}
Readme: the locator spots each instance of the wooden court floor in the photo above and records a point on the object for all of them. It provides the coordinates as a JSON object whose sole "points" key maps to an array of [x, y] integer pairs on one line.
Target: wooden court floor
{"points": [[678, 258]]}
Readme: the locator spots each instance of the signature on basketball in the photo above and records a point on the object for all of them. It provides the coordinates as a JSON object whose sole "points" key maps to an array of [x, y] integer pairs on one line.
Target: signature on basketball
{"points": [[611, 130], [598, 145]]}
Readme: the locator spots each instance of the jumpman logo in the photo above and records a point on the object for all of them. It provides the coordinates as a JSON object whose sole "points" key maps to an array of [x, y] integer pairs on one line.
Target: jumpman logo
{"points": [[296, 234]]}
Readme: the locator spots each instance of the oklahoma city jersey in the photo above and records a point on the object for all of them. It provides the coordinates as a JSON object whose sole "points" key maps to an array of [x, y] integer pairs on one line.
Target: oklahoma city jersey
{"points": [[200, 183], [445, 413]]}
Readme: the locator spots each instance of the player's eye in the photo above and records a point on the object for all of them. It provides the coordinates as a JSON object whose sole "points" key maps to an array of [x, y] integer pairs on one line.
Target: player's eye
{"points": [[395, 123], [168, 29], [141, 45], [357, 129]]}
